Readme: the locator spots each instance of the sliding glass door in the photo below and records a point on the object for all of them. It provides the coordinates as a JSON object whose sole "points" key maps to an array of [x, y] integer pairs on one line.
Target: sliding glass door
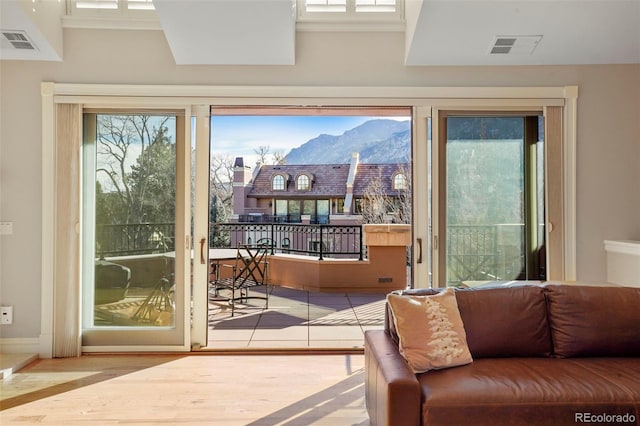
{"points": [[491, 198], [133, 233]]}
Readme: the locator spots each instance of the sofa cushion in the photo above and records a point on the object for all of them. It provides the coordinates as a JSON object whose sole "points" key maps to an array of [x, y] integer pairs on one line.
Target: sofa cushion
{"points": [[594, 321], [530, 391], [430, 330], [503, 320]]}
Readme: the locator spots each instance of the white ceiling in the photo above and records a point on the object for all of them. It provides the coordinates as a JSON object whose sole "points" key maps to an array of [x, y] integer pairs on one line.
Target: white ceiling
{"points": [[40, 22], [248, 32], [438, 32], [451, 32]]}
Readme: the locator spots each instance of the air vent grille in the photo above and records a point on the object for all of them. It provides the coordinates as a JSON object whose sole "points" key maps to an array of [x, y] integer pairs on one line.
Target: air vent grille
{"points": [[17, 40], [22, 45], [500, 49], [15, 36], [514, 45]]}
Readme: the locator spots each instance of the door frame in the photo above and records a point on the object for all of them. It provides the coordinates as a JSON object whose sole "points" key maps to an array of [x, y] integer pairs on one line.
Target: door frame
{"points": [[184, 97], [101, 339], [440, 115]]}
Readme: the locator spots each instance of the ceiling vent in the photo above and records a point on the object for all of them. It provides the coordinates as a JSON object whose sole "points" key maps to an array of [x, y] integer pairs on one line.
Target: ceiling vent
{"points": [[514, 45], [16, 40]]}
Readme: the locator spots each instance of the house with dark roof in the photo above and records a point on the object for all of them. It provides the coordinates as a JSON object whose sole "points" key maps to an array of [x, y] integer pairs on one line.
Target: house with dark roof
{"points": [[313, 193]]}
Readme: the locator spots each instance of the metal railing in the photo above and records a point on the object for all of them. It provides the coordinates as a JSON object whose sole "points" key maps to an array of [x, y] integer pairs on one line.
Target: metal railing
{"points": [[483, 253], [320, 219], [269, 218], [336, 241], [474, 252], [136, 238]]}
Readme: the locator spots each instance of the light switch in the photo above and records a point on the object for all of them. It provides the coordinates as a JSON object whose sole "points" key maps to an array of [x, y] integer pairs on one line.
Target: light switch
{"points": [[6, 228]]}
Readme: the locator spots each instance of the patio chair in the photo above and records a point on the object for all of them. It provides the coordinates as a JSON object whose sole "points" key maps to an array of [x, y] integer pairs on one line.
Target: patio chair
{"points": [[249, 271]]}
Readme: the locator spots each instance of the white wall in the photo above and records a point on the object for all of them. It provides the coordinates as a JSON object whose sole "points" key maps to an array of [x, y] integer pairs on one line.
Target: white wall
{"points": [[608, 203]]}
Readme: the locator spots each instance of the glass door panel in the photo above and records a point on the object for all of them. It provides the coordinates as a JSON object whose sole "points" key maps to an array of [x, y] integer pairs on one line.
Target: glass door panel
{"points": [[129, 248], [281, 208], [322, 214], [492, 200], [309, 207], [323, 208], [294, 211]]}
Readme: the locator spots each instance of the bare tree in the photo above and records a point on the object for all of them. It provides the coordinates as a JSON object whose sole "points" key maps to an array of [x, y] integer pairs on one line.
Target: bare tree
{"points": [[401, 206], [262, 152], [221, 188], [380, 206], [278, 157], [132, 151], [374, 202]]}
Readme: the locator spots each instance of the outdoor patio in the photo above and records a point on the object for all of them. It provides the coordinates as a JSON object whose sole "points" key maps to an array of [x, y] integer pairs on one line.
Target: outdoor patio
{"points": [[296, 319]]}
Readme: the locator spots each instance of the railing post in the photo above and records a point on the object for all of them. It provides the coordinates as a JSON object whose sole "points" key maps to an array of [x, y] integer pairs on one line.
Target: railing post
{"points": [[361, 245], [321, 227], [273, 239], [101, 239]]}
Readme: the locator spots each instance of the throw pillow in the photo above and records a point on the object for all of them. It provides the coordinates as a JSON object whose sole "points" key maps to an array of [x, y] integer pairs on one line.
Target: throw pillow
{"points": [[430, 331]]}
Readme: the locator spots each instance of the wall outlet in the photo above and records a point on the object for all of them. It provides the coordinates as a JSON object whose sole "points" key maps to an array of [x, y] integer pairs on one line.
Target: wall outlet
{"points": [[6, 315]]}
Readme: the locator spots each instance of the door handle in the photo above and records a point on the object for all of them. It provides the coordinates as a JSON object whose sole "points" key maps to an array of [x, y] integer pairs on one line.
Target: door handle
{"points": [[419, 250], [202, 244]]}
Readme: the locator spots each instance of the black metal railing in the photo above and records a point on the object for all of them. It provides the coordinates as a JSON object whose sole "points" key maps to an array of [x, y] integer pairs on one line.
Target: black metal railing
{"points": [[476, 253], [336, 241], [319, 219], [136, 238], [269, 218]]}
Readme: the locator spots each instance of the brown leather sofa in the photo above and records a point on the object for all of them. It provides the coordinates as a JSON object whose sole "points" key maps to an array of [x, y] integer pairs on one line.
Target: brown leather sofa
{"points": [[547, 354]]}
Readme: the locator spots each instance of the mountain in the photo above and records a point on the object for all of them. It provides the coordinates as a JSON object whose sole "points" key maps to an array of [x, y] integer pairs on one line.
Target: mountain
{"points": [[377, 141]]}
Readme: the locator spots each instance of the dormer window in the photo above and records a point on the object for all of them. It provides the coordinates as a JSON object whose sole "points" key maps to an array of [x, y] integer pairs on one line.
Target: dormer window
{"points": [[303, 183], [399, 182], [277, 184]]}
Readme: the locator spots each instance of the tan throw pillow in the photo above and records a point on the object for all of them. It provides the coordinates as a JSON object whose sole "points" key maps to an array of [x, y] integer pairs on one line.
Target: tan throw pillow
{"points": [[430, 330]]}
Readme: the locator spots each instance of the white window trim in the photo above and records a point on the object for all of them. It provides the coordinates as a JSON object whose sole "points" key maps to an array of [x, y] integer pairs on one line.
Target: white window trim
{"points": [[121, 18], [393, 181], [121, 9], [273, 182], [309, 180], [350, 13], [350, 20], [421, 98]]}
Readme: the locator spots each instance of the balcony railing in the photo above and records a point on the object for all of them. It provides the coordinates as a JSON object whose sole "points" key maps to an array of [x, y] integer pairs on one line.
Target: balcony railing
{"points": [[473, 252], [320, 219], [137, 238], [336, 241], [484, 253]]}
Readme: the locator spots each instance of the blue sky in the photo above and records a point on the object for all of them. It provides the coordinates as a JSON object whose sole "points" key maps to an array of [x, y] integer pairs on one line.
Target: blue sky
{"points": [[240, 135]]}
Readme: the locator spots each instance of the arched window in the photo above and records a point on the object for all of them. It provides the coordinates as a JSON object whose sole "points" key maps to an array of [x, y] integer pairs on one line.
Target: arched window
{"points": [[303, 183], [399, 182], [277, 184]]}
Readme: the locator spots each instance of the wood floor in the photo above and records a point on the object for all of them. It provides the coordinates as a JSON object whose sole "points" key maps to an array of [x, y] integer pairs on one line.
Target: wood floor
{"points": [[224, 390]]}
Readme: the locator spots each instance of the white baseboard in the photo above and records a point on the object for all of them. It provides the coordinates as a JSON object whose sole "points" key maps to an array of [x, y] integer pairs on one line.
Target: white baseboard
{"points": [[20, 345]]}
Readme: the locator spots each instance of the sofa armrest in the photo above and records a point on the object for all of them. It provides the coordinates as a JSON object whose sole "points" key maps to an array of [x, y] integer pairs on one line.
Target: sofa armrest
{"points": [[392, 392]]}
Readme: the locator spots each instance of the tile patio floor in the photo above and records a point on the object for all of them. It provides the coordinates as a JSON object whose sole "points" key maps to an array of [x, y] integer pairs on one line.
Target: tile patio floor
{"points": [[296, 319]]}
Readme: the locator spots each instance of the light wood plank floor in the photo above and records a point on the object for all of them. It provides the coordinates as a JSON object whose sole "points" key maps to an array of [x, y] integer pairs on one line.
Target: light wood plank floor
{"points": [[190, 389]]}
